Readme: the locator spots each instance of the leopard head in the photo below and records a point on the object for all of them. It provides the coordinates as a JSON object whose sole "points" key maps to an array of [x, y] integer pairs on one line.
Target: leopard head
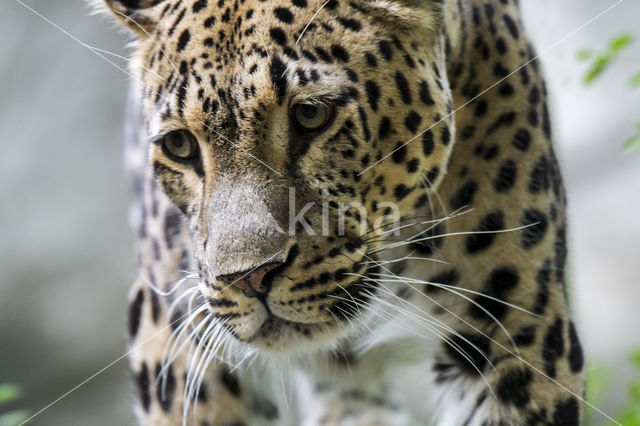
{"points": [[288, 132]]}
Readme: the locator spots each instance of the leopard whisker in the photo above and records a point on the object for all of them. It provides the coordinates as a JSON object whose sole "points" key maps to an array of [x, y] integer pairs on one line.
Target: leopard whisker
{"points": [[361, 303], [197, 357], [168, 357], [448, 341], [190, 292], [346, 292], [348, 315], [173, 287], [407, 257], [428, 184], [479, 306], [195, 377], [461, 319], [402, 219], [449, 234], [430, 319], [437, 221], [452, 288], [425, 323], [124, 58], [171, 349], [336, 318]]}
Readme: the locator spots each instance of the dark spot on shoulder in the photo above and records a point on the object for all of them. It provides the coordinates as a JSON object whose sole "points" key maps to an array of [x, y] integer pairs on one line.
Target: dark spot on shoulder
{"points": [[412, 121], [576, 356], [566, 413], [525, 336], [485, 233], [500, 282], [522, 139], [401, 191], [464, 196], [553, 347], [506, 176], [470, 352], [399, 153], [542, 281], [540, 179], [536, 227], [425, 94], [511, 26], [513, 387]]}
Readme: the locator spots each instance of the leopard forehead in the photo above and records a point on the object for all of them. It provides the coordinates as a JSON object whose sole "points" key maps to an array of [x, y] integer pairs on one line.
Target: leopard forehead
{"points": [[220, 66]]}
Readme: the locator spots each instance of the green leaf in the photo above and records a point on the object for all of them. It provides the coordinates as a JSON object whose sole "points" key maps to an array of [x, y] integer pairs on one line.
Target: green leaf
{"points": [[635, 357], [604, 59], [13, 418], [635, 80], [9, 392], [631, 146], [620, 42], [597, 68]]}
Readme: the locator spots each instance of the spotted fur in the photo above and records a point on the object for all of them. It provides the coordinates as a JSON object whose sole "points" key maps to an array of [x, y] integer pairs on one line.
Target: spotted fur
{"points": [[470, 296]]}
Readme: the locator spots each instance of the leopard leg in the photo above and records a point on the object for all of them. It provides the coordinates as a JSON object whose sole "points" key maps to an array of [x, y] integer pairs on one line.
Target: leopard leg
{"points": [[156, 315], [160, 386], [161, 393], [490, 383], [512, 355]]}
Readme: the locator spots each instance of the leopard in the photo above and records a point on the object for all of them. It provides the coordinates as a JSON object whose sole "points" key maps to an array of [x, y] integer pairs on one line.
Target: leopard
{"points": [[347, 212]]}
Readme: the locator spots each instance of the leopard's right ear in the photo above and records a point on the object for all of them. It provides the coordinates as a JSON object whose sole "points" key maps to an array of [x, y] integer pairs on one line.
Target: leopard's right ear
{"points": [[138, 15]]}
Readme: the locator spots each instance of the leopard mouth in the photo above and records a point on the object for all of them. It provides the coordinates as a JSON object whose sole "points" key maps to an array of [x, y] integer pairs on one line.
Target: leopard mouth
{"points": [[298, 308], [279, 334]]}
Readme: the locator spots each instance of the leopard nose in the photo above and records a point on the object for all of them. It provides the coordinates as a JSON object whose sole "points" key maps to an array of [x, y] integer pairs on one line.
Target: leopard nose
{"points": [[252, 282]]}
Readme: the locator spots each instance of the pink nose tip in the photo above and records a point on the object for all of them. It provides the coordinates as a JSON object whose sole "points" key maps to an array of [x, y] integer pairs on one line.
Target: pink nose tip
{"points": [[251, 282]]}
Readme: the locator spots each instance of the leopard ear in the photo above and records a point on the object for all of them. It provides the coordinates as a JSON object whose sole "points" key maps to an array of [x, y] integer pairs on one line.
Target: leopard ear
{"points": [[138, 15]]}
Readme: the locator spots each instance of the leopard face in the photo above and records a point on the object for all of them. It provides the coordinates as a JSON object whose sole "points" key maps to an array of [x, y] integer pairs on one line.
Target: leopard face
{"points": [[260, 111]]}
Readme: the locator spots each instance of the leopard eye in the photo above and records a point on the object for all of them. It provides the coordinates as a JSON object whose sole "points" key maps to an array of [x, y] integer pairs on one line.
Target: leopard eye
{"points": [[311, 118], [180, 145]]}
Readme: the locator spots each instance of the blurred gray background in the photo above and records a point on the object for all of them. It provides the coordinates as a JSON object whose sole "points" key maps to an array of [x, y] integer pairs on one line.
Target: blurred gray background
{"points": [[66, 253]]}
